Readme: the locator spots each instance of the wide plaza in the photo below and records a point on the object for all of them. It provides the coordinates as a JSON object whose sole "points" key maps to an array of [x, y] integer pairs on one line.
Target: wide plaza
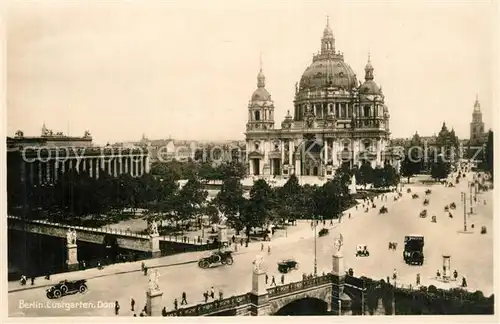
{"points": [[471, 255]]}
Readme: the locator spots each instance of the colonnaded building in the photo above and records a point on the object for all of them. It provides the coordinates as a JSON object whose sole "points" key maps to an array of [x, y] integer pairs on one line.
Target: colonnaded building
{"points": [[336, 121]]}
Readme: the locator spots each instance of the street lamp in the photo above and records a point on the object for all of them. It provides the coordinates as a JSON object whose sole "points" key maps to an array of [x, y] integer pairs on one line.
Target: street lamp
{"points": [[315, 249], [464, 200]]}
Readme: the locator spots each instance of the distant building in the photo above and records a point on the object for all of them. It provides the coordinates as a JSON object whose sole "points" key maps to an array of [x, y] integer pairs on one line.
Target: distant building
{"points": [[37, 160], [477, 134]]}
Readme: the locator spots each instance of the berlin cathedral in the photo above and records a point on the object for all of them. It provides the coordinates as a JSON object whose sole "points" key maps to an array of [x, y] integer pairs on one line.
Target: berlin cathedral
{"points": [[337, 121]]}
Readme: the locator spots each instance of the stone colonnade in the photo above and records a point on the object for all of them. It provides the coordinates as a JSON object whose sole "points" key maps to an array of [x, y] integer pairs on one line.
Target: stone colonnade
{"points": [[41, 171], [332, 154]]}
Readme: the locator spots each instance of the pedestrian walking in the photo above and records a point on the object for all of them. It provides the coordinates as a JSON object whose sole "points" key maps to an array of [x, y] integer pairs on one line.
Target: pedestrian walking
{"points": [[233, 239], [176, 304], [23, 280], [246, 242], [282, 279], [262, 246], [164, 312], [455, 274], [84, 265], [32, 280], [394, 274], [235, 247], [212, 292], [132, 304], [47, 276], [269, 249], [273, 281], [221, 295], [184, 300], [267, 278], [418, 279], [241, 241], [117, 307], [349, 215], [205, 295], [464, 282], [143, 266]]}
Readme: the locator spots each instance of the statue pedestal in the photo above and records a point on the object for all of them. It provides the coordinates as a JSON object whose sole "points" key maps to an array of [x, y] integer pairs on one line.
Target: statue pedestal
{"points": [[338, 264], [154, 302], [260, 300], [72, 260], [155, 246], [222, 234]]}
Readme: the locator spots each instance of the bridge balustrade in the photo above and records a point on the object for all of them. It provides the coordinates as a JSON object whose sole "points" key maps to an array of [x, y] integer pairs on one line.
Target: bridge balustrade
{"points": [[299, 285], [212, 307]]}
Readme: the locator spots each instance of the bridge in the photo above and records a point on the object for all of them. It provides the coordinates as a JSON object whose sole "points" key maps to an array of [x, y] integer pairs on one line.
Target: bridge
{"points": [[150, 244], [342, 295], [332, 293]]}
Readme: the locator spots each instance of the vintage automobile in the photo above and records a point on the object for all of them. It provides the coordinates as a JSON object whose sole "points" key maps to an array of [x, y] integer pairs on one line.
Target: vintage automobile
{"points": [[414, 250], [218, 257], [66, 287], [362, 250], [414, 196], [453, 205], [423, 213], [483, 229], [323, 232], [383, 210], [286, 265], [428, 192]]}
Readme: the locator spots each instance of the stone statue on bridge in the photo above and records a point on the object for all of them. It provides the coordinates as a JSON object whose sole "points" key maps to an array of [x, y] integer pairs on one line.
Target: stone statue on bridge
{"points": [[153, 229], [257, 263], [71, 237], [153, 281], [339, 242]]}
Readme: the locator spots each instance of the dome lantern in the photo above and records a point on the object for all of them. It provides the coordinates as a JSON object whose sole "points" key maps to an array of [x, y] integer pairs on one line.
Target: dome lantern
{"points": [[369, 69], [328, 41], [261, 78], [477, 106]]}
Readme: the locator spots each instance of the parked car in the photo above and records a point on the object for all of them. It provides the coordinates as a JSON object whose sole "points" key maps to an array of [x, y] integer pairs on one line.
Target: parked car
{"points": [[285, 266], [67, 287]]}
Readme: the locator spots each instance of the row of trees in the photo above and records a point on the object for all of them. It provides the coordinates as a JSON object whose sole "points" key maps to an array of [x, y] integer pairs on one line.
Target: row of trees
{"points": [[205, 171], [77, 197], [378, 177]]}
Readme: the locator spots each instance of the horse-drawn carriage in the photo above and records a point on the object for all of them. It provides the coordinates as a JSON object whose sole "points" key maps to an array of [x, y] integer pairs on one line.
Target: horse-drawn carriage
{"points": [[383, 210], [362, 251], [426, 202], [408, 190], [433, 219], [423, 213], [414, 196], [428, 192], [453, 205]]}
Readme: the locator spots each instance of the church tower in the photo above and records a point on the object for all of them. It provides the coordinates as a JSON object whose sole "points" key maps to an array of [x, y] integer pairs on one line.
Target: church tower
{"points": [[261, 106], [477, 125]]}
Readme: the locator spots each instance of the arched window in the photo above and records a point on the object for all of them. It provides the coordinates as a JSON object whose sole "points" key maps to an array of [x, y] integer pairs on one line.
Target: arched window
{"points": [[366, 111], [257, 115]]}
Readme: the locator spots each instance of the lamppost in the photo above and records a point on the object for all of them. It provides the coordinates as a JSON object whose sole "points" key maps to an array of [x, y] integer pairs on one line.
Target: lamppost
{"points": [[315, 248], [464, 200]]}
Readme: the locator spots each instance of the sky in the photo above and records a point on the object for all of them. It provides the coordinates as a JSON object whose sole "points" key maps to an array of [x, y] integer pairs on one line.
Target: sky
{"points": [[187, 69]]}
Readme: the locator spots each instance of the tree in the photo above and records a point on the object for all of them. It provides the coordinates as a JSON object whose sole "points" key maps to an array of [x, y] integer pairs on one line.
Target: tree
{"points": [[229, 200], [488, 163], [365, 173], [259, 206], [191, 200], [440, 167]]}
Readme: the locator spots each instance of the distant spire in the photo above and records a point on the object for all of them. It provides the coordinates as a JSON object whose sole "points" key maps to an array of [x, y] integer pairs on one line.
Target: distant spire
{"points": [[327, 21], [260, 61], [369, 69], [477, 106], [261, 78]]}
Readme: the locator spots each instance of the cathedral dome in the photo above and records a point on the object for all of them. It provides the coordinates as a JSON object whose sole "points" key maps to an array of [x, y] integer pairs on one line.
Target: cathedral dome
{"points": [[328, 71]]}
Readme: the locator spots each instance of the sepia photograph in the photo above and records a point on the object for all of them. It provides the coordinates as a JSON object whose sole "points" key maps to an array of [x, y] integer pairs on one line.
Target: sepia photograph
{"points": [[250, 158]]}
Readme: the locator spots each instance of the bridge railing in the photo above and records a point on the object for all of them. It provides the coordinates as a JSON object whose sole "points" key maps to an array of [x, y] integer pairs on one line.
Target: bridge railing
{"points": [[212, 307], [108, 230], [299, 285]]}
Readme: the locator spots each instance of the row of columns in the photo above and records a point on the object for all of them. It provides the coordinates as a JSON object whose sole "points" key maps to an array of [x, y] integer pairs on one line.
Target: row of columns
{"points": [[38, 172], [330, 154]]}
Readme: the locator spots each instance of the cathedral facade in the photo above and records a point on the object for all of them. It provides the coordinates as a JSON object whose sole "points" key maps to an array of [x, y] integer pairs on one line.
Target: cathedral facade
{"points": [[337, 121]]}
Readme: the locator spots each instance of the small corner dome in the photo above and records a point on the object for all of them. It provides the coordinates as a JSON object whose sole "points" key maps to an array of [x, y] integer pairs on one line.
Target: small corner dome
{"points": [[369, 88], [261, 94]]}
